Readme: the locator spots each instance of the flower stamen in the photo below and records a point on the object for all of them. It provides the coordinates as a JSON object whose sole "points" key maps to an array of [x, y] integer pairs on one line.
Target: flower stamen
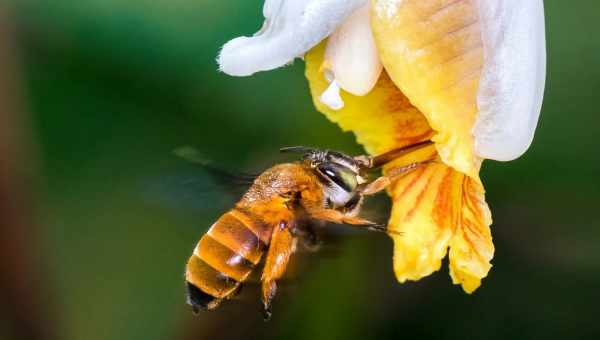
{"points": [[351, 59], [331, 97]]}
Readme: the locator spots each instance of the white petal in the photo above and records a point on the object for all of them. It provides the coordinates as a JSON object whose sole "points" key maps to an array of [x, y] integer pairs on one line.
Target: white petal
{"points": [[512, 82], [291, 28], [352, 55]]}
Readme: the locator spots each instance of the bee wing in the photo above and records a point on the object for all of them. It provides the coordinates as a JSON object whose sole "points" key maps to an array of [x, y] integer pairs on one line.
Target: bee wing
{"points": [[225, 177], [196, 185]]}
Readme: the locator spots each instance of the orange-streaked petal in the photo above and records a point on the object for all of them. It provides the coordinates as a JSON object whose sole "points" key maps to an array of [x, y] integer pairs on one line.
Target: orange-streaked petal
{"points": [[425, 211], [429, 204], [382, 120], [471, 248], [432, 50]]}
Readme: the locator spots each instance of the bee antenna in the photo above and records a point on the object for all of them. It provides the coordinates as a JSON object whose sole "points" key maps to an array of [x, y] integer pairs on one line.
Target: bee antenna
{"points": [[297, 149]]}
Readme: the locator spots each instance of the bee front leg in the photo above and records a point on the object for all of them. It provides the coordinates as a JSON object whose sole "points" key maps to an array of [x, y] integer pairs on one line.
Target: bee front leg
{"points": [[384, 181], [278, 256], [372, 162]]}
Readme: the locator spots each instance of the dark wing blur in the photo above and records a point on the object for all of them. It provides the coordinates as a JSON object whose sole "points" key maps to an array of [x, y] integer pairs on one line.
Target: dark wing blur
{"points": [[220, 175], [192, 184]]}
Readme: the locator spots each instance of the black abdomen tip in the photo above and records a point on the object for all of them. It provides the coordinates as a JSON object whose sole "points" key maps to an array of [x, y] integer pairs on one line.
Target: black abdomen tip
{"points": [[199, 299]]}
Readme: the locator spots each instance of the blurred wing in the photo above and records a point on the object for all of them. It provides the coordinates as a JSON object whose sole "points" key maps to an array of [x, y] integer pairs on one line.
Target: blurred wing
{"points": [[220, 175], [196, 186]]}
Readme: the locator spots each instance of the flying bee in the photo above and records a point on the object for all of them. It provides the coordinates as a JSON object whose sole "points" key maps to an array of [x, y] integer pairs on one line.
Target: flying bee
{"points": [[324, 185]]}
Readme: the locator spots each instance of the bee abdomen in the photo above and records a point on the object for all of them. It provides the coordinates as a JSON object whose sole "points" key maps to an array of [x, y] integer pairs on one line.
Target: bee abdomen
{"points": [[222, 260]]}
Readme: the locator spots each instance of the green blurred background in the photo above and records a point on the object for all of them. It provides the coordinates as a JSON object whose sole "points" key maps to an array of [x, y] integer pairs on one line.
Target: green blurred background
{"points": [[108, 88]]}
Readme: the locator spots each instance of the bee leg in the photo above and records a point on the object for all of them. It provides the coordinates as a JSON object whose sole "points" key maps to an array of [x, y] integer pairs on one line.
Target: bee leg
{"points": [[384, 181], [308, 237], [372, 162], [376, 186], [280, 250], [335, 216]]}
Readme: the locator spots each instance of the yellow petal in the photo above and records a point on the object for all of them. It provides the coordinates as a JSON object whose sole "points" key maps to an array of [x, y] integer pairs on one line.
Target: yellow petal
{"points": [[435, 206], [382, 120], [426, 204], [432, 51], [471, 248]]}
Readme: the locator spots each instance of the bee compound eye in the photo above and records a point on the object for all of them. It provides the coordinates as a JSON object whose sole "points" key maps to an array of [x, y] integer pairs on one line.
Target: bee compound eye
{"points": [[340, 175]]}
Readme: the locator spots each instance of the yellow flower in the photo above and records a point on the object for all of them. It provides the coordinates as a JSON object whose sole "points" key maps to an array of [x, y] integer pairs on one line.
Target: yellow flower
{"points": [[468, 75]]}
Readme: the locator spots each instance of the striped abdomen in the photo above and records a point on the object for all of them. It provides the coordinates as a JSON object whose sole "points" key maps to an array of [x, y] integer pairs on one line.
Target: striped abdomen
{"points": [[224, 258]]}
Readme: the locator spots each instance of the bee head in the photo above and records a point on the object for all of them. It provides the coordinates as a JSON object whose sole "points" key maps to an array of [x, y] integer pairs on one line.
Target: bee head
{"points": [[339, 172]]}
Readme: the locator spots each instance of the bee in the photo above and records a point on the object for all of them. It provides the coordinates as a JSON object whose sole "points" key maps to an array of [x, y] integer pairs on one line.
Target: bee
{"points": [[324, 185]]}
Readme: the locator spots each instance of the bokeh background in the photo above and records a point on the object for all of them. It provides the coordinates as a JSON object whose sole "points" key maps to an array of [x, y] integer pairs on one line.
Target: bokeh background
{"points": [[97, 216]]}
